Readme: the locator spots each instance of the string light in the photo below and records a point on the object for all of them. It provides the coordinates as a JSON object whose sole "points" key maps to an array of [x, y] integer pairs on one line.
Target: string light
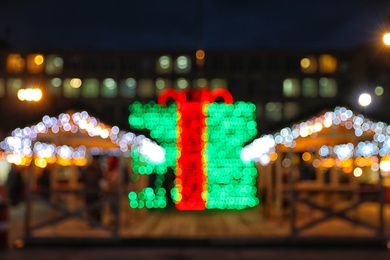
{"points": [[23, 143], [266, 144], [203, 143]]}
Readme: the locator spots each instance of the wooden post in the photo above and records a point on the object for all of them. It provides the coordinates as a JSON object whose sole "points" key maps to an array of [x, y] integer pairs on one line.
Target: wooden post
{"points": [[278, 187], [269, 188], [381, 228], [28, 212], [260, 188], [118, 195], [292, 194]]}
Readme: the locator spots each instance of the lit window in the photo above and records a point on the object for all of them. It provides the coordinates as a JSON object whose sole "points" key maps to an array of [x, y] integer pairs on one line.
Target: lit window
{"points": [[259, 110], [2, 88], [146, 88], [13, 85], [164, 64], [200, 83], [309, 64], [183, 64], [72, 87], [273, 111], [15, 63], [254, 87], [162, 84], [109, 88], [146, 65], [328, 63], [200, 55], [379, 90], [328, 87], [218, 83], [309, 87], [291, 110], [35, 63], [291, 88], [90, 88], [54, 64], [55, 86], [181, 83], [128, 88]]}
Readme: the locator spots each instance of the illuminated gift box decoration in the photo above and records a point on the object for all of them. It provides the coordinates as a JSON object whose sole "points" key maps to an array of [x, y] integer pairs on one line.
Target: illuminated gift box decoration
{"points": [[203, 141]]}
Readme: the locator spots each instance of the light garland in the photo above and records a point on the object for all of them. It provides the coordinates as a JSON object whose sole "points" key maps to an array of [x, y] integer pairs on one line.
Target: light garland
{"points": [[261, 149], [23, 143]]}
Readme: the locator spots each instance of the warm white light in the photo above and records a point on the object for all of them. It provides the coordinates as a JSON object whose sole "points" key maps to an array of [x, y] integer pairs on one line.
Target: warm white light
{"points": [[385, 166], [365, 99], [30, 94], [357, 172], [305, 63], [386, 38], [75, 83]]}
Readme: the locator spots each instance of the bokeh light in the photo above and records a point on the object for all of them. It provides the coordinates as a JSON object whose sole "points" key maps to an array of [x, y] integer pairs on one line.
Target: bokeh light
{"points": [[203, 144], [365, 99]]}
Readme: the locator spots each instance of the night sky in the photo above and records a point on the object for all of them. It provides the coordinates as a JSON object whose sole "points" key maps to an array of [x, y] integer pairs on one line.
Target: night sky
{"points": [[178, 24]]}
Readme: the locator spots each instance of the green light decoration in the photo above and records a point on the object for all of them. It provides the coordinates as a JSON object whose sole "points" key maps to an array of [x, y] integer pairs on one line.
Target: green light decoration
{"points": [[203, 142]]}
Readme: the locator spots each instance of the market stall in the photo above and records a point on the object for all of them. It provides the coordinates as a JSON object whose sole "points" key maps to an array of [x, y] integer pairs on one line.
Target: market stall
{"points": [[331, 163], [54, 153]]}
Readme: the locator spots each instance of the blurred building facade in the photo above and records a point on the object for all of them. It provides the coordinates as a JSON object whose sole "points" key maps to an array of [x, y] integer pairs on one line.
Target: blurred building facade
{"points": [[284, 85]]}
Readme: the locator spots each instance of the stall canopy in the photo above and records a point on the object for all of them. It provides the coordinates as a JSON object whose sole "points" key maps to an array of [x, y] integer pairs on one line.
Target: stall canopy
{"points": [[340, 133], [333, 158], [67, 138]]}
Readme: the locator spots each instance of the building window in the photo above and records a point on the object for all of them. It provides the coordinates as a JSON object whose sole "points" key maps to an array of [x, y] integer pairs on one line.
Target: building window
{"points": [[146, 88], [183, 64], [91, 64], [13, 85], [164, 64], [254, 87], [255, 64], [55, 86], [109, 88], [127, 64], [259, 110], [292, 64], [74, 63], [54, 64], [72, 87], [218, 64], [162, 84], [236, 64], [236, 87], [328, 87], [309, 64], [291, 88], [200, 83], [291, 110], [273, 64], [218, 83], [328, 63], [2, 88], [32, 83], [128, 88], [35, 63], [273, 111], [15, 63], [309, 87], [90, 88], [109, 65], [146, 66], [182, 83]]}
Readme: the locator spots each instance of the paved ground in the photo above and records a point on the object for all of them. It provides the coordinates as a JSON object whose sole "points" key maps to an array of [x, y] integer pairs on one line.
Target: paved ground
{"points": [[180, 250], [192, 253]]}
